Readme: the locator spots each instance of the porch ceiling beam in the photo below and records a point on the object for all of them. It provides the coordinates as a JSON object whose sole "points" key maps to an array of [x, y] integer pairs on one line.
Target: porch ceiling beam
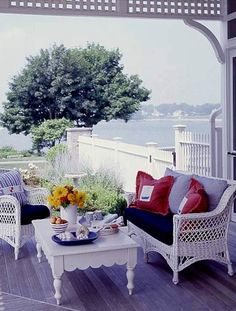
{"points": [[210, 36], [168, 9]]}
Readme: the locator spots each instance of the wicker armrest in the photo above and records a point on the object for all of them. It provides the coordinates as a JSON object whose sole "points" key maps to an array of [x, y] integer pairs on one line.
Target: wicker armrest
{"points": [[203, 227], [10, 210], [37, 195]]}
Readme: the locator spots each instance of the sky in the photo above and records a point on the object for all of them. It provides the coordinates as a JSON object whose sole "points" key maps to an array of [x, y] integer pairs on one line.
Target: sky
{"points": [[174, 61]]}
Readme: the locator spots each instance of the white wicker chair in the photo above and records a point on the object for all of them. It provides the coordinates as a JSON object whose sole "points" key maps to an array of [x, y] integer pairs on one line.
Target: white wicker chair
{"points": [[198, 236], [11, 229]]}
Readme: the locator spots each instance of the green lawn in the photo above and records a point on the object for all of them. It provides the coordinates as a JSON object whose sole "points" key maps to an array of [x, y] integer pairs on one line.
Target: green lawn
{"points": [[22, 162]]}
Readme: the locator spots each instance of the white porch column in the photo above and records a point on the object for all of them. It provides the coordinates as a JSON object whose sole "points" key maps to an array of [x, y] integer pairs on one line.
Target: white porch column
{"points": [[179, 129], [73, 136], [215, 151]]}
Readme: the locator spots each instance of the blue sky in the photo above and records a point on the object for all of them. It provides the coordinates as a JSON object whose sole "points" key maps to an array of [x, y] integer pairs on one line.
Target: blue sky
{"points": [[176, 62]]}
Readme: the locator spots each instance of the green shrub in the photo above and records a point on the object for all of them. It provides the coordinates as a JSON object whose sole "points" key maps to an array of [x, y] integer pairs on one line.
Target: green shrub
{"points": [[26, 153], [49, 133], [104, 192], [55, 151], [10, 152], [7, 151]]}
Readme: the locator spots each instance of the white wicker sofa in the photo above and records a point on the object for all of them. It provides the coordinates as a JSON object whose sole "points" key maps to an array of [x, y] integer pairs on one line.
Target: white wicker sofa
{"points": [[196, 236], [11, 229]]}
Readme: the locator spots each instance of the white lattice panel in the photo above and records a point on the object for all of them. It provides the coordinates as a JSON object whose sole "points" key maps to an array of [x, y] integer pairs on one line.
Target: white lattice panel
{"points": [[80, 5], [198, 9], [172, 7]]}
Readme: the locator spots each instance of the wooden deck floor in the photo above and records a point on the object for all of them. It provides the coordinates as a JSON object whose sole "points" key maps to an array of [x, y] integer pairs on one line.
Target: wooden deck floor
{"points": [[26, 285]]}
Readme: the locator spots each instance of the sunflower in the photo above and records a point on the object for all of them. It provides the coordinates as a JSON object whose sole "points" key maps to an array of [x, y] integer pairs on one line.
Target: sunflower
{"points": [[71, 197], [57, 203], [80, 204], [53, 201], [81, 196], [60, 192]]}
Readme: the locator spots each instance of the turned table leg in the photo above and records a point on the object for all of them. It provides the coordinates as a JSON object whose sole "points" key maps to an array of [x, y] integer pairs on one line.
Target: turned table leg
{"points": [[39, 251], [132, 261], [57, 272], [130, 279], [57, 286]]}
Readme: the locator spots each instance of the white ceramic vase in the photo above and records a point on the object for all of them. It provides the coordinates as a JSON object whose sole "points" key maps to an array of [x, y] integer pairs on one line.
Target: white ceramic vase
{"points": [[69, 213]]}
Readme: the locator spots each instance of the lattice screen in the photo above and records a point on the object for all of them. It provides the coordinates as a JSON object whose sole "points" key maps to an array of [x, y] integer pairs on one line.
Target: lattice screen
{"points": [[176, 7], [207, 9], [82, 5]]}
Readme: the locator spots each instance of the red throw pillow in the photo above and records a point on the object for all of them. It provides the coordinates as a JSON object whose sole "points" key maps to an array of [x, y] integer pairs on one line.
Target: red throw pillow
{"points": [[153, 194], [196, 200]]}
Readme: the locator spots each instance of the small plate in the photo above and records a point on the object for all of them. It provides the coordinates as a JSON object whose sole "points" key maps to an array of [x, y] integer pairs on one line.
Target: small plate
{"points": [[91, 237]]}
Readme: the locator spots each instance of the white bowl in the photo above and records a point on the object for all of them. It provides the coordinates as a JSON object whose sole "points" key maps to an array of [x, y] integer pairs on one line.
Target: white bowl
{"points": [[59, 228]]}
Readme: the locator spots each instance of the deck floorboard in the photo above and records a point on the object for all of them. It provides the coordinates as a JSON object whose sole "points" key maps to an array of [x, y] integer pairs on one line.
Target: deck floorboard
{"points": [[27, 285]]}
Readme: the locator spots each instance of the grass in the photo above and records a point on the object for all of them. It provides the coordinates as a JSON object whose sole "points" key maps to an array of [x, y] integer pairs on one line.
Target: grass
{"points": [[20, 159], [22, 162]]}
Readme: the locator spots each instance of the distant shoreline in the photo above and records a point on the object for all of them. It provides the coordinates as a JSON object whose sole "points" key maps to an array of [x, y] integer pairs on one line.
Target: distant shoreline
{"points": [[161, 119], [177, 119]]}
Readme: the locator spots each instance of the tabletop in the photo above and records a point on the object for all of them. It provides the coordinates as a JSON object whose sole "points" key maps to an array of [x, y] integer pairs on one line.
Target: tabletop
{"points": [[44, 232]]}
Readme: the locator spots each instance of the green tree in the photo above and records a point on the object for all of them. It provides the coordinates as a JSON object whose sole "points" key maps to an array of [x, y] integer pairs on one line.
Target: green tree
{"points": [[84, 85], [49, 133]]}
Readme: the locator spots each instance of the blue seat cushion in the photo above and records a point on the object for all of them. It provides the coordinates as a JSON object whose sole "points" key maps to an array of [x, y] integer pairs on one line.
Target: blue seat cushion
{"points": [[157, 225], [30, 212]]}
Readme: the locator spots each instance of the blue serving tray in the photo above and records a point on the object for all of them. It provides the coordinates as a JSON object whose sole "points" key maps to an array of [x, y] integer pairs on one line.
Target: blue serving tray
{"points": [[91, 237]]}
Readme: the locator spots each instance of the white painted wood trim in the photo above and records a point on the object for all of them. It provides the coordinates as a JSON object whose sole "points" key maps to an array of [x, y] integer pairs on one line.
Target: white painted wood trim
{"points": [[230, 17], [213, 153], [220, 55], [196, 9]]}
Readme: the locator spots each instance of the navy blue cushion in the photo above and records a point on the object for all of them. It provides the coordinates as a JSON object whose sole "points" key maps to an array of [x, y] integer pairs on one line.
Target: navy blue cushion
{"points": [[157, 225], [30, 212]]}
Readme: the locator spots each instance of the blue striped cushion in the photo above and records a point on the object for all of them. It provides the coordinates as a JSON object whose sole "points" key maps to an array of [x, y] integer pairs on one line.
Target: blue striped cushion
{"points": [[11, 184]]}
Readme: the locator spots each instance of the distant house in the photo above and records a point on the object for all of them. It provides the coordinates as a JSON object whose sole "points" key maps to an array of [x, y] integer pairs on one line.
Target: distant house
{"points": [[157, 114], [178, 114]]}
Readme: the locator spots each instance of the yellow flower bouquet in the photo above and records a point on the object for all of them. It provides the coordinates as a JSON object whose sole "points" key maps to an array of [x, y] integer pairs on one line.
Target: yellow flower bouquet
{"points": [[65, 196]]}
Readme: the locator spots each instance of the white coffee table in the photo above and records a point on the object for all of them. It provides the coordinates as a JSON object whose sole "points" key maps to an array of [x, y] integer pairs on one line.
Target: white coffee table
{"points": [[107, 250]]}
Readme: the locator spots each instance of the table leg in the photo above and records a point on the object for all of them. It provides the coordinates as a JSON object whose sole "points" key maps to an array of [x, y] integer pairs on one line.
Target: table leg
{"points": [[57, 265], [57, 286], [130, 278], [39, 251], [132, 261]]}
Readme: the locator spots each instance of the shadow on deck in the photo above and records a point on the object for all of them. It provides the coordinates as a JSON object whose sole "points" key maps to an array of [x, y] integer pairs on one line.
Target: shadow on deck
{"points": [[27, 285]]}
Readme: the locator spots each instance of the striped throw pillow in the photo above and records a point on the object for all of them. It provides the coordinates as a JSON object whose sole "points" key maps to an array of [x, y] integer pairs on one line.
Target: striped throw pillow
{"points": [[11, 184]]}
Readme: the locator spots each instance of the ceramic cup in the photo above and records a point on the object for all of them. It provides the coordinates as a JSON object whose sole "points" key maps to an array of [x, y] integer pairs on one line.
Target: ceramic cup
{"points": [[89, 217], [97, 215]]}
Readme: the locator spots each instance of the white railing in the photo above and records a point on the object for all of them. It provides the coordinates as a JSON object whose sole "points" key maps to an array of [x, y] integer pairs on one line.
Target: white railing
{"points": [[124, 159], [195, 153]]}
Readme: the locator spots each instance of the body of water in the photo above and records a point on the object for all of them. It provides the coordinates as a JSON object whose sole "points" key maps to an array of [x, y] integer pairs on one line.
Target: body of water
{"points": [[133, 132], [143, 131]]}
